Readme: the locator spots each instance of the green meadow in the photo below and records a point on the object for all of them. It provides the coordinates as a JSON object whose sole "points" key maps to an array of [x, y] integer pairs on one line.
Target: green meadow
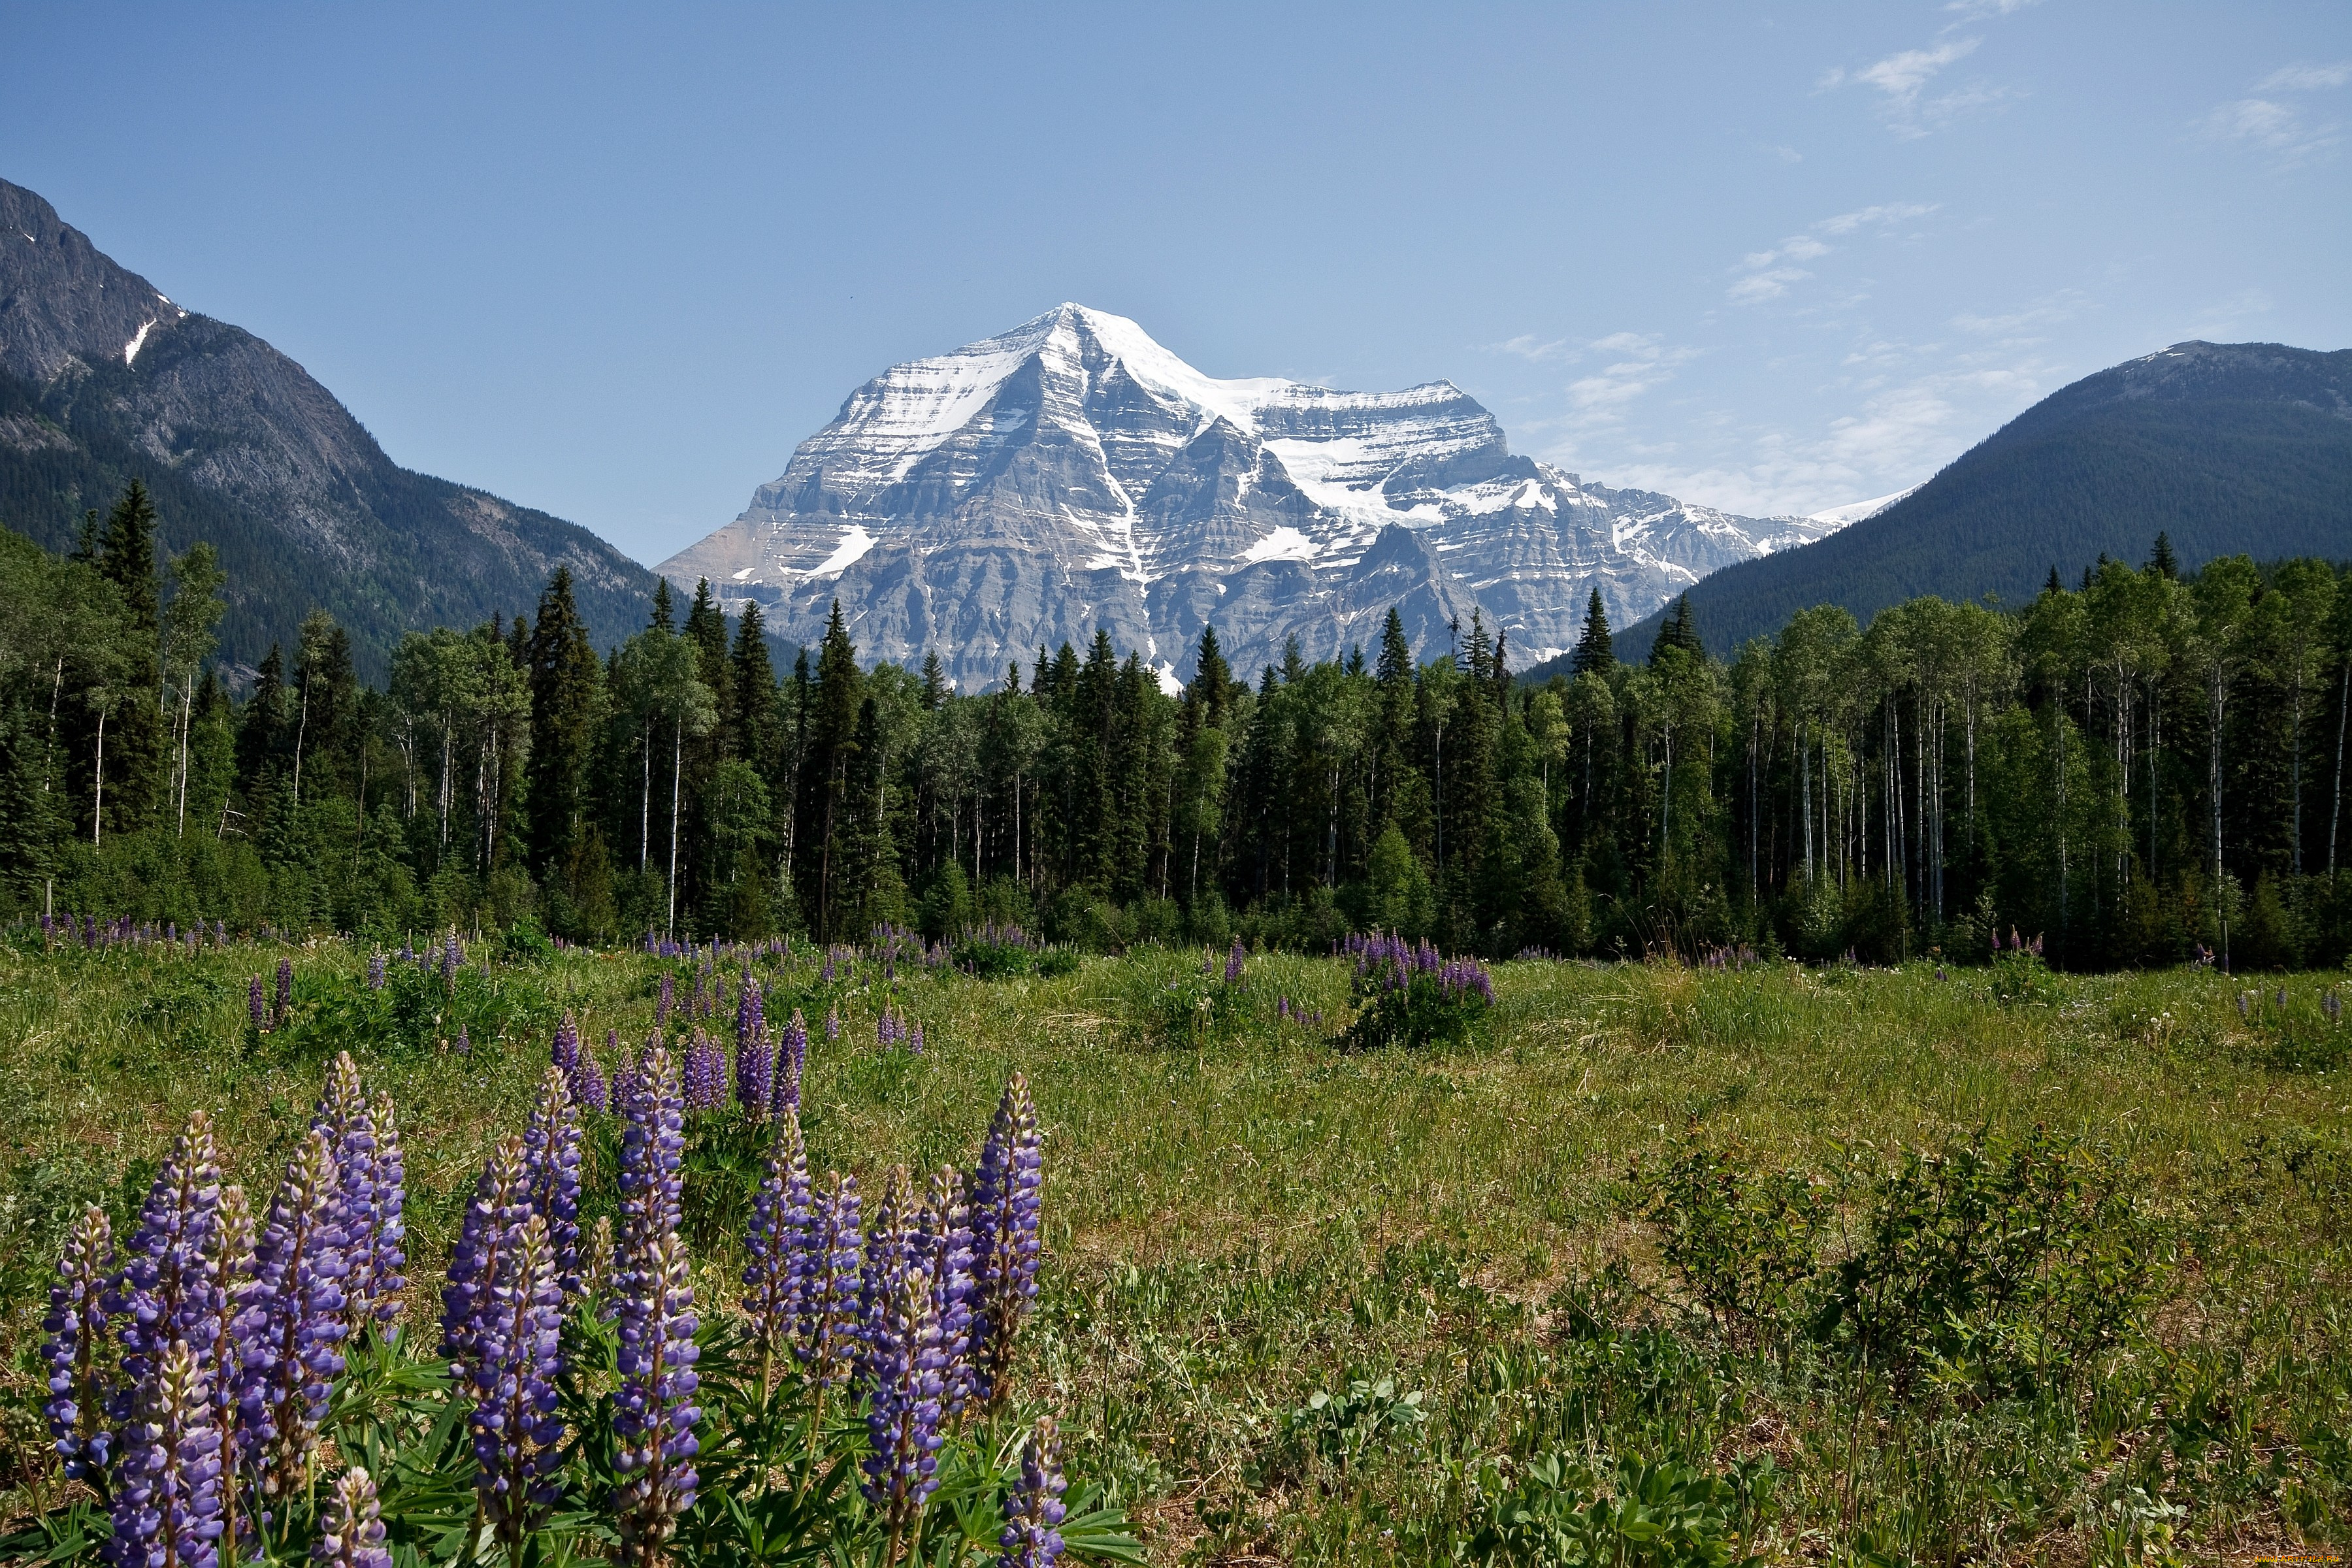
{"points": [[1662, 1265]]}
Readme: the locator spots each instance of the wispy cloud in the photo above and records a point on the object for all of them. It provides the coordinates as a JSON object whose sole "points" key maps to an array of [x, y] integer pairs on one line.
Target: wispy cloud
{"points": [[1977, 10], [2271, 123], [1532, 349], [2047, 311], [1768, 274], [2306, 78], [1638, 363], [1904, 78], [2231, 318]]}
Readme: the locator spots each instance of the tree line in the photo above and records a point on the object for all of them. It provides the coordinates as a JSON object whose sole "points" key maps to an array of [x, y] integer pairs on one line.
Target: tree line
{"points": [[2138, 769]]}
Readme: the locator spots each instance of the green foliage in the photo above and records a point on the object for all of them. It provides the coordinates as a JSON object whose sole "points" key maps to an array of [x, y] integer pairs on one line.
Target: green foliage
{"points": [[1651, 1515], [1422, 1012]]}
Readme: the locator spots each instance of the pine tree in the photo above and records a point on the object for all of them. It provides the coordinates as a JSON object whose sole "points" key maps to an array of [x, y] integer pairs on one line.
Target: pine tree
{"points": [[566, 697], [1593, 654], [133, 721], [935, 682], [664, 615], [826, 829], [2161, 559], [751, 691]]}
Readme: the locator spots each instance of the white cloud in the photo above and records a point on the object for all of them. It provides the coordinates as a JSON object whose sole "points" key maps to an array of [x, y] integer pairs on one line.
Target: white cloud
{"points": [[2281, 130], [1881, 217], [2048, 311], [1762, 286], [1902, 75], [2306, 78], [1976, 10], [1528, 347], [1639, 361]]}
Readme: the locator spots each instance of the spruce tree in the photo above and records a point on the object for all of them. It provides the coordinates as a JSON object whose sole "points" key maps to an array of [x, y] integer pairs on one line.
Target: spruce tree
{"points": [[566, 697], [1593, 654], [2161, 559], [134, 722]]}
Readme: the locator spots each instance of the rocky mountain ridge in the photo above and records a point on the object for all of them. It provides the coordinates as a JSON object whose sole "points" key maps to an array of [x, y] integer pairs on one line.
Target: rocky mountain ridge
{"points": [[1074, 473]]}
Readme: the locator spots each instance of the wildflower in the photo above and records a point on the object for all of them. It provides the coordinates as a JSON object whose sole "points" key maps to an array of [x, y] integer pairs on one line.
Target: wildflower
{"points": [[654, 1413], [257, 1006], [915, 1041], [901, 1370], [944, 1248], [664, 998], [350, 1532], [162, 1293], [229, 1265], [781, 1214], [1033, 1510], [464, 1042], [551, 1174], [502, 1200], [1233, 963], [565, 1053], [706, 1073], [755, 1055], [597, 1262], [832, 1025], [452, 955], [293, 1326], [516, 1430], [375, 972], [653, 1152], [791, 1059], [167, 1501], [344, 1118], [834, 1246], [1007, 1208], [285, 991], [76, 1348]]}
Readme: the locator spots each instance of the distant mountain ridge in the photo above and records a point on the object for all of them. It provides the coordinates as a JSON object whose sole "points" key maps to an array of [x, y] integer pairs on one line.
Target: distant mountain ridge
{"points": [[1073, 473], [103, 379], [2228, 448]]}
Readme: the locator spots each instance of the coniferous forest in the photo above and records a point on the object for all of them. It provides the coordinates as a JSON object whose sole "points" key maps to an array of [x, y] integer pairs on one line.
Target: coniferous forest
{"points": [[2139, 768]]}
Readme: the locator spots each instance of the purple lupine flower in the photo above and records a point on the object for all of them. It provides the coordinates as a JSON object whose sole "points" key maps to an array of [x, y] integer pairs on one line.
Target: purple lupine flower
{"points": [[588, 1089], [350, 1530], [390, 1213], [653, 1153], [76, 1348], [915, 1040], [665, 999], [827, 973], [1233, 963], [1033, 1512], [791, 1059], [825, 1339], [257, 1005], [292, 1325], [452, 956], [832, 1025], [777, 1243], [499, 1204], [945, 1249], [228, 1261], [755, 1054], [597, 1262], [899, 1368], [162, 1293], [551, 1174], [1007, 1209], [375, 972], [654, 1410], [168, 1497], [518, 1434], [344, 1116], [706, 1073], [285, 991], [566, 1051]]}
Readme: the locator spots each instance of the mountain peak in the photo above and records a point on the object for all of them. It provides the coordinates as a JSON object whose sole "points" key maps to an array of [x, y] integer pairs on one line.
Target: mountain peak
{"points": [[1074, 473]]}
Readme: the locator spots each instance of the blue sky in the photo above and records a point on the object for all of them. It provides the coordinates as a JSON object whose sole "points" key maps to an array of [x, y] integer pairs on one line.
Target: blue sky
{"points": [[616, 264]]}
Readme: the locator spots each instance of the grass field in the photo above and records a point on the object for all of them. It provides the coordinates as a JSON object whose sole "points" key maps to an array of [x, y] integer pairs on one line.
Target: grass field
{"points": [[1653, 1260]]}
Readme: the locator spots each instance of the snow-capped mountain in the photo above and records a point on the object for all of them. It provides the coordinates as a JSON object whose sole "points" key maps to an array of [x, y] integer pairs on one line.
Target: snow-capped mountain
{"points": [[1073, 473]]}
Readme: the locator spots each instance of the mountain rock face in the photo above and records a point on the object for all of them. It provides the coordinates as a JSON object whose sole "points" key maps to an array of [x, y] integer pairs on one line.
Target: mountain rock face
{"points": [[2227, 449], [1073, 473], [103, 380]]}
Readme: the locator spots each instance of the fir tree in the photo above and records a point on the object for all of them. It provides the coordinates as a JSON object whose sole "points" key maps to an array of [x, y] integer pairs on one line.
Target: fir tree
{"points": [[566, 698], [1593, 654]]}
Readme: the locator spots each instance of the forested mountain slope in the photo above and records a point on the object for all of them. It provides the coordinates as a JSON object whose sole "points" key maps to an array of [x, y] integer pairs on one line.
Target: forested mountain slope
{"points": [[103, 379], [2228, 448]]}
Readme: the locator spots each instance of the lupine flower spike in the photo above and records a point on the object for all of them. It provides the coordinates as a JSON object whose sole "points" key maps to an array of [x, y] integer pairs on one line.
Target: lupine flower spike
{"points": [[257, 1005], [229, 1264], [76, 1349], [780, 1216], [390, 1213], [348, 1122], [163, 1293], [167, 1499], [755, 1054], [945, 1250], [1034, 1512], [518, 1434], [1008, 1199], [285, 991], [294, 1324], [655, 1414], [792, 1059], [350, 1532], [500, 1202], [551, 1174]]}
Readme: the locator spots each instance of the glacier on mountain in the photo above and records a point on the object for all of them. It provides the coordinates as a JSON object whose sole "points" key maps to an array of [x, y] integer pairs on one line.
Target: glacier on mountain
{"points": [[1073, 473]]}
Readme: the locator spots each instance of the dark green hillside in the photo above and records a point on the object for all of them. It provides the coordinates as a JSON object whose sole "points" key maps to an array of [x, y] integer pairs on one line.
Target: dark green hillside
{"points": [[2229, 448]]}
